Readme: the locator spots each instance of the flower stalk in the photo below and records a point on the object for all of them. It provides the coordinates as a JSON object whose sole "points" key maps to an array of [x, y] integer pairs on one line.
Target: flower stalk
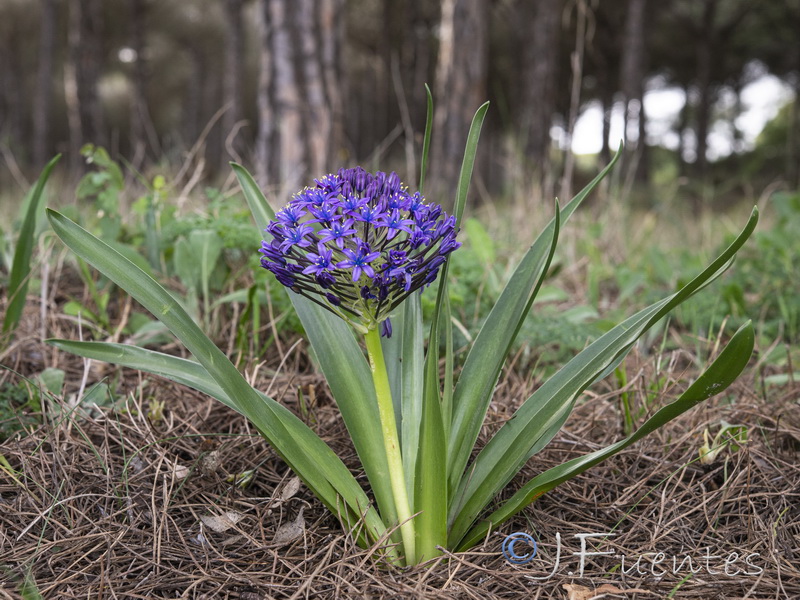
{"points": [[391, 442]]}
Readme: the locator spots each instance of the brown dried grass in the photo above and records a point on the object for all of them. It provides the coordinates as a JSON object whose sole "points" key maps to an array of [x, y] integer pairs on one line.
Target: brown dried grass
{"points": [[110, 503]]}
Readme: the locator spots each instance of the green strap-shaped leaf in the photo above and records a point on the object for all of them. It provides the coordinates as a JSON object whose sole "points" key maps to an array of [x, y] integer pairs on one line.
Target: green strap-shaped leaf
{"points": [[316, 464], [21, 267], [485, 360], [722, 372], [431, 384], [426, 140], [508, 450], [344, 365], [449, 364], [262, 211], [430, 485], [462, 191], [468, 163], [481, 370], [180, 370], [405, 364]]}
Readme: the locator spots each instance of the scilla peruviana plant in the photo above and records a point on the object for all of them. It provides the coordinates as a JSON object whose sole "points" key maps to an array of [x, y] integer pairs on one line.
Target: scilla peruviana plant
{"points": [[413, 429]]}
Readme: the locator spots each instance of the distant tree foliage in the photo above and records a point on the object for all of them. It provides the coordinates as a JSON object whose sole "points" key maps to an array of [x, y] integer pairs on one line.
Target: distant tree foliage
{"points": [[293, 88]]}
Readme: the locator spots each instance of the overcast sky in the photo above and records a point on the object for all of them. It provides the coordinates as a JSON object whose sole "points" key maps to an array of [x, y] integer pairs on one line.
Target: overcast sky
{"points": [[761, 101]]}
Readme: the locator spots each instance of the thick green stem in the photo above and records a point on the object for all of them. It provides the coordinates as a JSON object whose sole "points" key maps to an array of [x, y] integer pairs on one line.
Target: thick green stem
{"points": [[391, 442]]}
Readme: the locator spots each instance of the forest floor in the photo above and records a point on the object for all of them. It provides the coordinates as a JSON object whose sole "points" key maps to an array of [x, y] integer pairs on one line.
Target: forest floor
{"points": [[131, 501]]}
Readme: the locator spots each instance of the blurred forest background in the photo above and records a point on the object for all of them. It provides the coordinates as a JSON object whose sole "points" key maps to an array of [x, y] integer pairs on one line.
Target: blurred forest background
{"points": [[296, 88]]}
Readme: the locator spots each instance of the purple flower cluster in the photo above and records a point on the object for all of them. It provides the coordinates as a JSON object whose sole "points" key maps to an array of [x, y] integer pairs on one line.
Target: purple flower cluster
{"points": [[358, 243]]}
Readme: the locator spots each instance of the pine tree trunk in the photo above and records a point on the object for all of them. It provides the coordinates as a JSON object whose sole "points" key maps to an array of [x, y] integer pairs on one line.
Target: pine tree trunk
{"points": [[792, 172], [300, 98], [234, 59], [642, 174], [139, 97], [705, 51], [288, 99], [12, 118], [540, 67], [331, 27], [683, 125], [44, 85], [89, 67], [265, 137], [607, 107], [193, 105], [632, 84], [72, 96], [317, 114], [460, 85]]}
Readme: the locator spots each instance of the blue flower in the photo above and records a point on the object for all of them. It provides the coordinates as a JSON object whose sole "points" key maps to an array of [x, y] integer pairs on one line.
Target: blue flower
{"points": [[338, 232], [353, 204], [296, 236], [325, 213], [369, 214], [329, 183], [333, 299], [319, 262], [290, 215], [359, 262], [397, 257], [386, 328], [272, 251], [395, 223], [375, 242]]}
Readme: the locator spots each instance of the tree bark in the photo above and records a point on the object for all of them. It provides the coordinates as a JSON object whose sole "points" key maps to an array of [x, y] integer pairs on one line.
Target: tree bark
{"points": [[72, 96], [540, 53], [683, 125], [632, 84], [300, 98], [44, 85], [234, 60], [576, 59], [90, 61], [792, 171], [642, 174], [705, 51], [317, 113], [12, 119], [81, 75], [607, 108], [265, 137], [331, 26], [139, 97], [793, 141], [460, 84], [289, 119], [194, 96]]}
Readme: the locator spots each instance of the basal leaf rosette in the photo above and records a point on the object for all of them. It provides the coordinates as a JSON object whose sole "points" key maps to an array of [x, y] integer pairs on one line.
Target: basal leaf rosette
{"points": [[358, 244]]}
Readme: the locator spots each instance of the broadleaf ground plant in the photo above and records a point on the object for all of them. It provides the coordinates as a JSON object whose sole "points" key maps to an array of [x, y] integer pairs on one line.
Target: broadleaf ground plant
{"points": [[354, 248]]}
